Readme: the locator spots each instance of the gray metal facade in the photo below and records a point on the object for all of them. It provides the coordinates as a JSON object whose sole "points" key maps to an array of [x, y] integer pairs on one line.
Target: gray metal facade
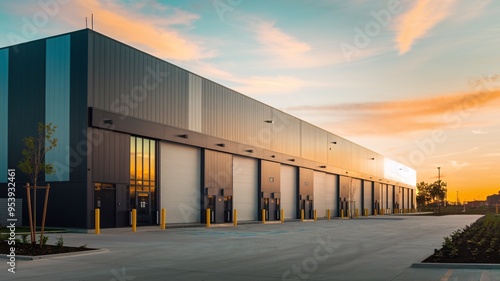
{"points": [[116, 91]]}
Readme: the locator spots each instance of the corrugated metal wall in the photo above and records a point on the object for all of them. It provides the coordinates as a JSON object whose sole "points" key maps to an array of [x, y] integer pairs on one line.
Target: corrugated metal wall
{"points": [[218, 172], [132, 83], [195, 102], [57, 103], [110, 156]]}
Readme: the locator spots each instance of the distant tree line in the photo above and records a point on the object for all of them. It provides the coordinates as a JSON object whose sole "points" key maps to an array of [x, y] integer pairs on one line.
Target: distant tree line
{"points": [[431, 193]]}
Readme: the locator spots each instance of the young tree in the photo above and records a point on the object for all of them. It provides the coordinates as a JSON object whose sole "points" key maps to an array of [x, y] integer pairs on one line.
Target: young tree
{"points": [[33, 163]]}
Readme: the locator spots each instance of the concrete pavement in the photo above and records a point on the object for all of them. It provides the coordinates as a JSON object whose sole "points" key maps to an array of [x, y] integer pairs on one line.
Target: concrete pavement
{"points": [[373, 248]]}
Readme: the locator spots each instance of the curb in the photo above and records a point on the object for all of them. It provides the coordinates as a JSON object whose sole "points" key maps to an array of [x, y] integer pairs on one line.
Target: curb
{"points": [[456, 265], [64, 255]]}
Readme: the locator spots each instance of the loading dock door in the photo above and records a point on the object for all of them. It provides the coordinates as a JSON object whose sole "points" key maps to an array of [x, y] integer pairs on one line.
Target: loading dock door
{"points": [[245, 183], [180, 182], [289, 190], [320, 194]]}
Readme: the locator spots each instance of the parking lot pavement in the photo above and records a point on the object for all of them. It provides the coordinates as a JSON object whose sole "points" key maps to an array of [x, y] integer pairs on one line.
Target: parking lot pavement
{"points": [[373, 248]]}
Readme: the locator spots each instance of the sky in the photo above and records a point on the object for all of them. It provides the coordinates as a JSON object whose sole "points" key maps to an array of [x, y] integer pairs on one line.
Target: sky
{"points": [[417, 81]]}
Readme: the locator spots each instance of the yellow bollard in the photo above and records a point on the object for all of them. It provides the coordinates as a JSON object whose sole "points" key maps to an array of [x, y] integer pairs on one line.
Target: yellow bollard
{"points": [[356, 213], [163, 218], [263, 214], [342, 213], [315, 217], [328, 213], [235, 217], [97, 221], [207, 217], [282, 215], [301, 214], [134, 220], [366, 212]]}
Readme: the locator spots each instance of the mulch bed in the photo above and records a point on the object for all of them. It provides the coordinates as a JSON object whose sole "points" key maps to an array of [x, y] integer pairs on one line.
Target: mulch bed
{"points": [[477, 243], [29, 250]]}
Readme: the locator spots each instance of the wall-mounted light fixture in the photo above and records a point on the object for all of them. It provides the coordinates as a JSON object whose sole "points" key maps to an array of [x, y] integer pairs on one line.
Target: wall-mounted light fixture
{"points": [[334, 142], [322, 166], [373, 158], [293, 160], [184, 136], [347, 172], [221, 144], [273, 156], [249, 150], [108, 121], [270, 121]]}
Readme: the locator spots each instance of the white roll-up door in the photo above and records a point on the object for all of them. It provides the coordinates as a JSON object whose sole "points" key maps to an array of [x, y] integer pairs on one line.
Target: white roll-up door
{"points": [[331, 196], [289, 191], [319, 193], [368, 195], [390, 202], [245, 184], [356, 185], [180, 168]]}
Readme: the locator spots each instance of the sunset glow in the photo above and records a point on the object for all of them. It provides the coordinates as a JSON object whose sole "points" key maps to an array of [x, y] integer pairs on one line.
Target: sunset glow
{"points": [[417, 81]]}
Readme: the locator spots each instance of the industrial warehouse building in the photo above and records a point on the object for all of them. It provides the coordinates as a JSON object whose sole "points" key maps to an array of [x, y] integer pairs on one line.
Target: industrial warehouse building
{"points": [[136, 132]]}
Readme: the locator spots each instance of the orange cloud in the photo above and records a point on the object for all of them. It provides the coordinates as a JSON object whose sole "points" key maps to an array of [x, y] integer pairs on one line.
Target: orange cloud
{"points": [[419, 20], [404, 116], [253, 84], [279, 43], [152, 32], [287, 51]]}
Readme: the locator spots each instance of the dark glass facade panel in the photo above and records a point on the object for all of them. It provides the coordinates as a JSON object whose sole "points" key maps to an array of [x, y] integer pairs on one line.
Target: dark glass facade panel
{"points": [[4, 112], [57, 103]]}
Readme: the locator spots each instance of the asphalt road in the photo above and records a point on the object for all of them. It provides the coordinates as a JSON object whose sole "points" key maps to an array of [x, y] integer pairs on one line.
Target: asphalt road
{"points": [[373, 248]]}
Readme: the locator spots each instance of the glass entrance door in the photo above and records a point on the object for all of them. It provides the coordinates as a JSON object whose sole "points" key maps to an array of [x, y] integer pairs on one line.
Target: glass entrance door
{"points": [[143, 179], [143, 208]]}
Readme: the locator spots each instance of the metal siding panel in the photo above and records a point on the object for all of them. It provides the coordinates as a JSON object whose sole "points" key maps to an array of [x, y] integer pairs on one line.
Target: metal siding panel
{"points": [[245, 183], [289, 185], [4, 113], [218, 170], [180, 182], [110, 160], [57, 103], [79, 95]]}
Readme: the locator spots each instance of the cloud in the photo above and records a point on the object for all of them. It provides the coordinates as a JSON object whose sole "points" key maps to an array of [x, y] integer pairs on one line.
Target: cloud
{"points": [[288, 51], [479, 132], [277, 42], [154, 28], [419, 20], [251, 85], [404, 116]]}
